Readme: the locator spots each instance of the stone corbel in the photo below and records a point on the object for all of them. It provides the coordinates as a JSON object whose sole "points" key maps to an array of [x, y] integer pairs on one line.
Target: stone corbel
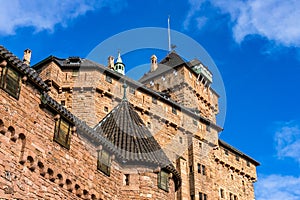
{"points": [[2, 64]]}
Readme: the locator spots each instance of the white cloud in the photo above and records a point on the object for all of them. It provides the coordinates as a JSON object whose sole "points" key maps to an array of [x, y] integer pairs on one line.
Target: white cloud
{"points": [[275, 187], [195, 7], [276, 20], [44, 15], [287, 139]]}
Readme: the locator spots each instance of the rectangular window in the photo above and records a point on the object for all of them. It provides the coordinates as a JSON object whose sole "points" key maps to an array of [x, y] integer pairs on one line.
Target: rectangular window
{"points": [[195, 122], [75, 72], [248, 163], [191, 169], [131, 90], [203, 170], [108, 78], [11, 81], [104, 163], [154, 100], [202, 196], [180, 140], [174, 111], [163, 180], [207, 128], [226, 152], [199, 168], [126, 179], [62, 132], [105, 109], [221, 193]]}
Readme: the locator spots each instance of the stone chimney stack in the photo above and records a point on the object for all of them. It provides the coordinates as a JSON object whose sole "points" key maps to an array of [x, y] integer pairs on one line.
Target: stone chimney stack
{"points": [[111, 63], [27, 56], [153, 63]]}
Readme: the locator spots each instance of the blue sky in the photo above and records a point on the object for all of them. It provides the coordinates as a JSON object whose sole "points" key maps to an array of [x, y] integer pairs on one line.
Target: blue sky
{"points": [[255, 45]]}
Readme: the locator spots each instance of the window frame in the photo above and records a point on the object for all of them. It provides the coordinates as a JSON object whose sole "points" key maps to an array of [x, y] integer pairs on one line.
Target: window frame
{"points": [[154, 100], [202, 196], [104, 165], [108, 78], [64, 141], [174, 110], [14, 92], [163, 180]]}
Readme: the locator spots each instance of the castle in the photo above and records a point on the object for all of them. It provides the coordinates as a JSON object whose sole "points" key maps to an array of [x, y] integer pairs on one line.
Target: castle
{"points": [[75, 129]]}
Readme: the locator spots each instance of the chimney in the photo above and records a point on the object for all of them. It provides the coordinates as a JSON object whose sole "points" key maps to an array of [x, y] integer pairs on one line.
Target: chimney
{"points": [[27, 56], [153, 63], [110, 63]]}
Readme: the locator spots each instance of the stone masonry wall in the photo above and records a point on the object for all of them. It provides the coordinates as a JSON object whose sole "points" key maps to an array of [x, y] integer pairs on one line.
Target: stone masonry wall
{"points": [[33, 166]]}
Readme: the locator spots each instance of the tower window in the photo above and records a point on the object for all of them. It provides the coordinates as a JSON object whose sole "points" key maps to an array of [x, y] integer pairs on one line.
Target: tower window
{"points": [[195, 122], [104, 162], [11, 81], [62, 132], [248, 163], [75, 72], [174, 111], [237, 157], [202, 196], [108, 78], [163, 180], [126, 179], [154, 100], [105, 109], [207, 128], [226, 152], [132, 90], [203, 170], [222, 193], [180, 140]]}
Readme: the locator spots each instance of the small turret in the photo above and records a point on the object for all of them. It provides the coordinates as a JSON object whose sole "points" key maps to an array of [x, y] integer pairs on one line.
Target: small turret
{"points": [[119, 65], [153, 63]]}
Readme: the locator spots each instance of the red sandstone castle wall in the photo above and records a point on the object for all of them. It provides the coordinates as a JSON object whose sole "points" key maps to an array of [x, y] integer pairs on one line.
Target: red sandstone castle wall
{"points": [[33, 166]]}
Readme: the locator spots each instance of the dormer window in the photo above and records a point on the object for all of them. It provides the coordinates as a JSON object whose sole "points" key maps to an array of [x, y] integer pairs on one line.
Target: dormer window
{"points": [[74, 60], [10, 81]]}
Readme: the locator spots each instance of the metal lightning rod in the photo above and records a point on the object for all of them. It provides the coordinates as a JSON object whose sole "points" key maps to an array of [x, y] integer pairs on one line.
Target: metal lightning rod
{"points": [[169, 34]]}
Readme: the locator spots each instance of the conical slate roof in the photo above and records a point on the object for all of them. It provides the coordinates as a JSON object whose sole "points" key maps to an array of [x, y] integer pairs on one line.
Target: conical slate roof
{"points": [[132, 143], [126, 131]]}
